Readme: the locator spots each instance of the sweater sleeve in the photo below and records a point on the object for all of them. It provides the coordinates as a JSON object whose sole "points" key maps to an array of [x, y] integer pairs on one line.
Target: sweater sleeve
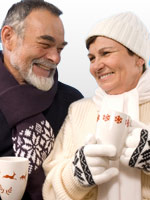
{"points": [[60, 182]]}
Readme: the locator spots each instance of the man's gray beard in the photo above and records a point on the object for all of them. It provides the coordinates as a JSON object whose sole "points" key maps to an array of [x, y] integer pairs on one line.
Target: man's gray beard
{"points": [[42, 83]]}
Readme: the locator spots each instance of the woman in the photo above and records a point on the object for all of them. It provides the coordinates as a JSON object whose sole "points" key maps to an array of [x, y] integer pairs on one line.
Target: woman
{"points": [[79, 167]]}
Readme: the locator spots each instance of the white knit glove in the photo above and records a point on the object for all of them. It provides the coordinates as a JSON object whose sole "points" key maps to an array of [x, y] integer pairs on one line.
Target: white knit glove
{"points": [[137, 147], [91, 166]]}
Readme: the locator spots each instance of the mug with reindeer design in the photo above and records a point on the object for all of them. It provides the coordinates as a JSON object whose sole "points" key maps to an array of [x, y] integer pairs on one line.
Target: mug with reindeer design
{"points": [[112, 128], [13, 177]]}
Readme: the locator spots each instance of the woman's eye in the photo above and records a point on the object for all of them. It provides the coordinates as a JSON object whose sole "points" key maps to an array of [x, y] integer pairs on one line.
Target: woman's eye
{"points": [[105, 53]]}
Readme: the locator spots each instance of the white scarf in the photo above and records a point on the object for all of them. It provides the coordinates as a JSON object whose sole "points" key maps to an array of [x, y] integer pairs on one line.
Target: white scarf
{"points": [[126, 186]]}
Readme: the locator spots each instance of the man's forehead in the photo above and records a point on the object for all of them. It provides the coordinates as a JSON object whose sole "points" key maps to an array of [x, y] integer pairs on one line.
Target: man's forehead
{"points": [[43, 17]]}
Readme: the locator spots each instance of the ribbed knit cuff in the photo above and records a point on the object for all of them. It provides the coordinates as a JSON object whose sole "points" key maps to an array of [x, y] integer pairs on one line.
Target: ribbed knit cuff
{"points": [[73, 187]]}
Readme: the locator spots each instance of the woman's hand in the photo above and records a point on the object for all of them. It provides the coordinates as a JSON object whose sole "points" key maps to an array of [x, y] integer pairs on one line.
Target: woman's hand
{"points": [[136, 152], [90, 165]]}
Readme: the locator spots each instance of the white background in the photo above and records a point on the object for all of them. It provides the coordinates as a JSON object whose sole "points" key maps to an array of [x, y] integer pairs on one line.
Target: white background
{"points": [[78, 17]]}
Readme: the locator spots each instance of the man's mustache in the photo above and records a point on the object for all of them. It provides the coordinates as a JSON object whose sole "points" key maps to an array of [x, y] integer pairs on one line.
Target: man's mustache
{"points": [[45, 63]]}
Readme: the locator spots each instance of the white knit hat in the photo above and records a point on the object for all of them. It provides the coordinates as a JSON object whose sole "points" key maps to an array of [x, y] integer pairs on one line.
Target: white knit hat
{"points": [[127, 29]]}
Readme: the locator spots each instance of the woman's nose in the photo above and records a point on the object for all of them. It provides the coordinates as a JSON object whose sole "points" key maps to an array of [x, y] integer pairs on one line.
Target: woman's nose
{"points": [[98, 64]]}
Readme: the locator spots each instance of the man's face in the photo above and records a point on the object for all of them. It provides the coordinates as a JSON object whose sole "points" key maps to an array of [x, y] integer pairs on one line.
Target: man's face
{"points": [[36, 55]]}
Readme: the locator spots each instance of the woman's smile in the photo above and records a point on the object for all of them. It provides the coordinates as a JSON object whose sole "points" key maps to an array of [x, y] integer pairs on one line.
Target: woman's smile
{"points": [[105, 76]]}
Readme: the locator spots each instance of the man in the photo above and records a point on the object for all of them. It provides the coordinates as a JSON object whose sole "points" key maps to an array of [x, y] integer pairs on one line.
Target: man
{"points": [[33, 103]]}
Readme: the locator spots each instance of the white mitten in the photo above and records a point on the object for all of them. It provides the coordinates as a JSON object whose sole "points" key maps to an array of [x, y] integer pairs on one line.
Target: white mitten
{"points": [[91, 166], [137, 147]]}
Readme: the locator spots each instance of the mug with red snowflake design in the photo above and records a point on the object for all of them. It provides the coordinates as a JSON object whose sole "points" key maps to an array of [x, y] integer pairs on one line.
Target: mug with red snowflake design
{"points": [[13, 177], [112, 128]]}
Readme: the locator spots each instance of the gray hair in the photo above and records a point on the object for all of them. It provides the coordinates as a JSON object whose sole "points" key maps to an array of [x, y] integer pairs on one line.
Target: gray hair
{"points": [[19, 11]]}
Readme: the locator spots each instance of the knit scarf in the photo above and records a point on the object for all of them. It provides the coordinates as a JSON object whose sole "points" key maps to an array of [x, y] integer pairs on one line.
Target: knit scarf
{"points": [[32, 135], [127, 185]]}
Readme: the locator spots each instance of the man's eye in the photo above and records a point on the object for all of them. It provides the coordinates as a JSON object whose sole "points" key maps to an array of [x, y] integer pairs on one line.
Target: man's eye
{"points": [[91, 58], [45, 45], [59, 50]]}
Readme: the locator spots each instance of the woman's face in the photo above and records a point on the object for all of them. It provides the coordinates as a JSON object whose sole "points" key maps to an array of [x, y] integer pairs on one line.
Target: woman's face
{"points": [[113, 68]]}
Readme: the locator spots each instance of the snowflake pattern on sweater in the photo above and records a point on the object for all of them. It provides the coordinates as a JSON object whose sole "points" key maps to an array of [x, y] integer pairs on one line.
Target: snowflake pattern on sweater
{"points": [[34, 143]]}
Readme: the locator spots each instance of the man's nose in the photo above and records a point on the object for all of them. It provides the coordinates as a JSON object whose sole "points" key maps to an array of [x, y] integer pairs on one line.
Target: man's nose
{"points": [[53, 55]]}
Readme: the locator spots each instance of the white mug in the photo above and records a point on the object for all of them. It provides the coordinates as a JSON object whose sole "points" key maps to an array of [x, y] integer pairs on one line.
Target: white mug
{"points": [[13, 177], [112, 128]]}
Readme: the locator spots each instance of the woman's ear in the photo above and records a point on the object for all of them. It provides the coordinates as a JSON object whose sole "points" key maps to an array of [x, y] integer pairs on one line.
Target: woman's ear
{"points": [[7, 34], [140, 62]]}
